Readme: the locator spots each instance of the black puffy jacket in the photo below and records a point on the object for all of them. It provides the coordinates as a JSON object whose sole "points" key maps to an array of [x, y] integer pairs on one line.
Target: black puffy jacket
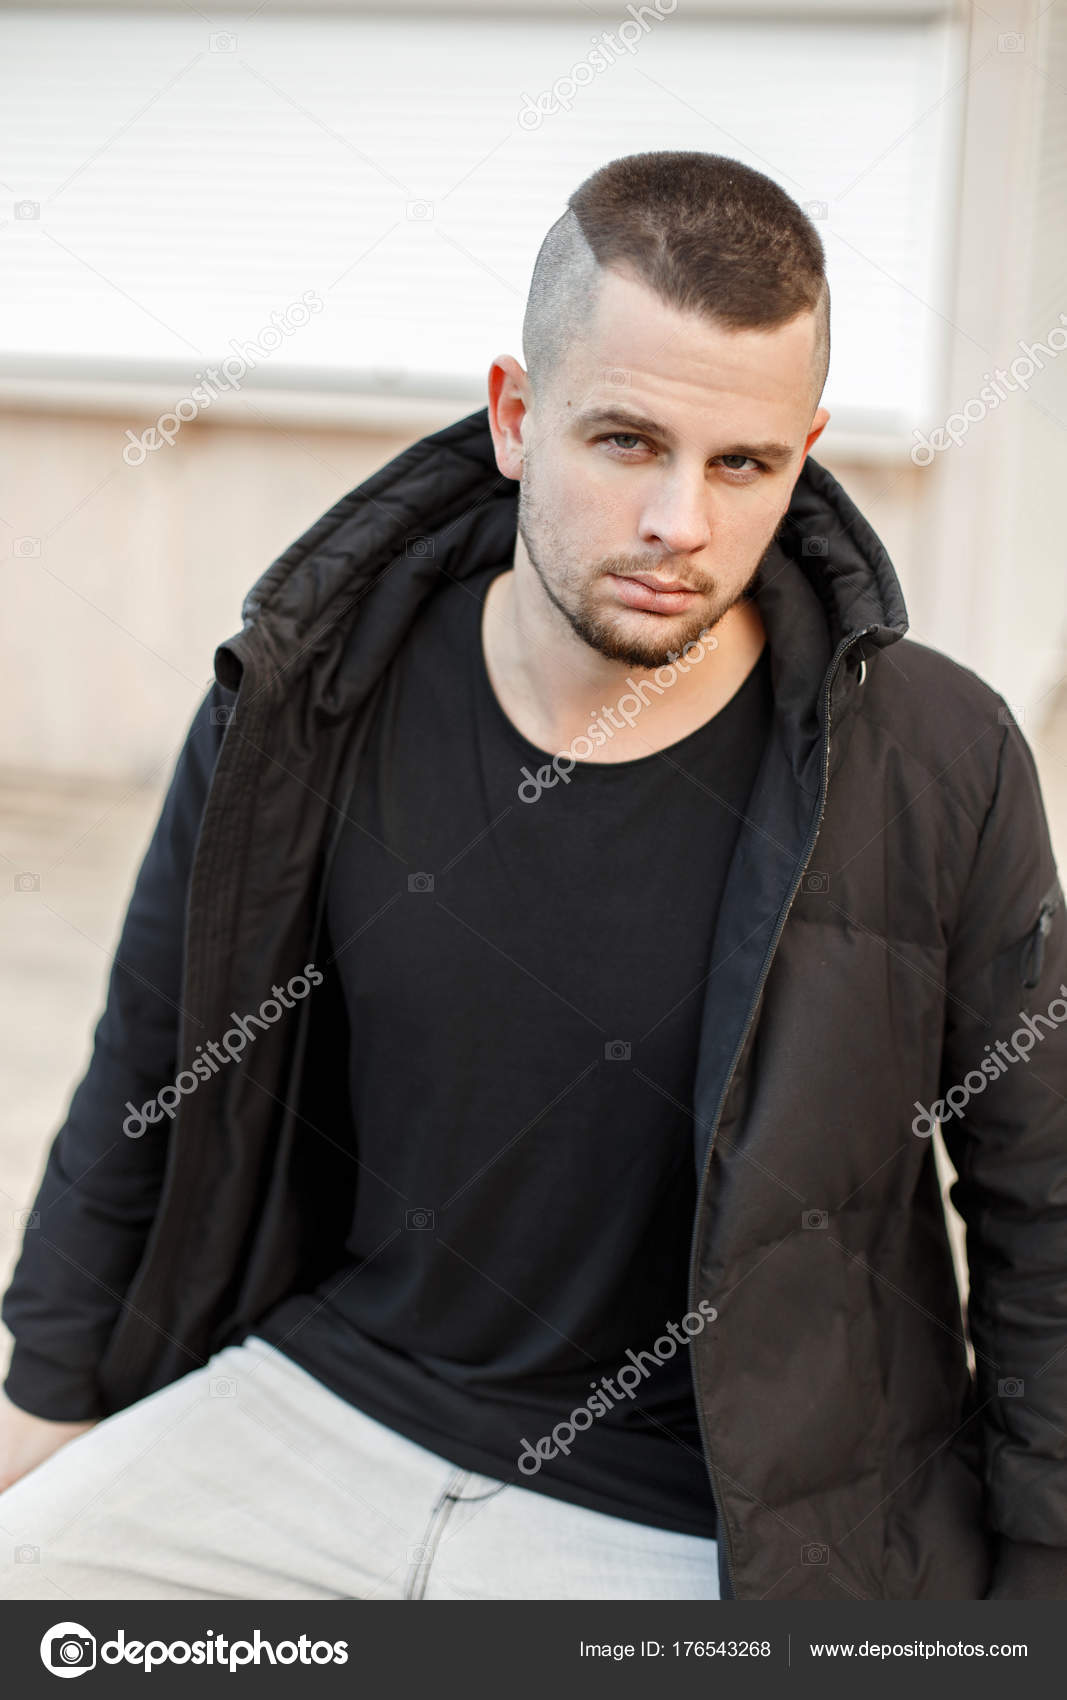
{"points": [[892, 913]]}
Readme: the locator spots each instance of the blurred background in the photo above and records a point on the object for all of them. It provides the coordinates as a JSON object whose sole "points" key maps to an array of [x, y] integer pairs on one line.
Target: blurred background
{"points": [[249, 256]]}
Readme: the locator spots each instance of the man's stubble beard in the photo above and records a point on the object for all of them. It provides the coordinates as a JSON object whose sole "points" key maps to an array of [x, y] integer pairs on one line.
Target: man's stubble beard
{"points": [[606, 636]]}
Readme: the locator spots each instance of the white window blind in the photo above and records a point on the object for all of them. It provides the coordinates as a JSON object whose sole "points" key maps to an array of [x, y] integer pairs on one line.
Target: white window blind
{"points": [[173, 182]]}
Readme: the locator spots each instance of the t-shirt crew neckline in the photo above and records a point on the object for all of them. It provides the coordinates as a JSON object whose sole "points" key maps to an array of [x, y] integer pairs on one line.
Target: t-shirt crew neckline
{"points": [[534, 751]]}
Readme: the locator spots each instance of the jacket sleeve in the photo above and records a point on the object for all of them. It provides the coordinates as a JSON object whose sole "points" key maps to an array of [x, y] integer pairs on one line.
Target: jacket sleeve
{"points": [[1003, 1114], [87, 1229]]}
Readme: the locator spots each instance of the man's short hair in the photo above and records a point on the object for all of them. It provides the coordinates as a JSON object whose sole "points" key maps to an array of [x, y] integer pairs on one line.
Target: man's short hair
{"points": [[707, 234]]}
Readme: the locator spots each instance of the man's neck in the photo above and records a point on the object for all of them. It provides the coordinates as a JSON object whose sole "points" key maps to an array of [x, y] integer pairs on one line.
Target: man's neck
{"points": [[553, 686]]}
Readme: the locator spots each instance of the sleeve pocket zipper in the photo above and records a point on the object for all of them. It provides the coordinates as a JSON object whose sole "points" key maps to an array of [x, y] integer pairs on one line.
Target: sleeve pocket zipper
{"points": [[1033, 952]]}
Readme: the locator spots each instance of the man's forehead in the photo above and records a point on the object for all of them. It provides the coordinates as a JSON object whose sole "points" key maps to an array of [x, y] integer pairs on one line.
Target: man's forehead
{"points": [[616, 357], [673, 342]]}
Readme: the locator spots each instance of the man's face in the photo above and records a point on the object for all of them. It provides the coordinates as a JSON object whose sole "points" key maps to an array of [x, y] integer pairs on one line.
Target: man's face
{"points": [[658, 467]]}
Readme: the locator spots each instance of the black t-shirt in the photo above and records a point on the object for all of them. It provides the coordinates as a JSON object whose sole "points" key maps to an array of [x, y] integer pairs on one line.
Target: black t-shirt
{"points": [[524, 975]]}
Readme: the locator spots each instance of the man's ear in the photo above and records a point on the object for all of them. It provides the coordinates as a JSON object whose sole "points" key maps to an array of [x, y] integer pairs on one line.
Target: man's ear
{"points": [[820, 419], [508, 392]]}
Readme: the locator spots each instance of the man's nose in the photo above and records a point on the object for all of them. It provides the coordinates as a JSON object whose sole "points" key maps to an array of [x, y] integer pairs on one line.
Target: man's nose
{"points": [[677, 515]]}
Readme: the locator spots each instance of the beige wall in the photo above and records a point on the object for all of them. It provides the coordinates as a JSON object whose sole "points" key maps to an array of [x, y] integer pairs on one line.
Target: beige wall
{"points": [[109, 632]]}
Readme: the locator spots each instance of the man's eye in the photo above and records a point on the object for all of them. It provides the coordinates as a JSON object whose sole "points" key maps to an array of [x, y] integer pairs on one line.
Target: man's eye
{"points": [[628, 443]]}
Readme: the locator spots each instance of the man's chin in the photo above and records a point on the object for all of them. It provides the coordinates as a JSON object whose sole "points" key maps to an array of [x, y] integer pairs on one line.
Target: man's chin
{"points": [[643, 640]]}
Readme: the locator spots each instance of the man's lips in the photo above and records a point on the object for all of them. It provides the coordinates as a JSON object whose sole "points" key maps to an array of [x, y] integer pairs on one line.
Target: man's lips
{"points": [[653, 595], [655, 583]]}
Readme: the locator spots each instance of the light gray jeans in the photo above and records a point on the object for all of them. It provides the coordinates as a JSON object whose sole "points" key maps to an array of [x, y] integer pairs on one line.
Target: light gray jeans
{"points": [[249, 1479]]}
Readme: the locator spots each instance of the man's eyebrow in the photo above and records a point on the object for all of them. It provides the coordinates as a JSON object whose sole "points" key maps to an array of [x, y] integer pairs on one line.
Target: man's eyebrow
{"points": [[776, 454]]}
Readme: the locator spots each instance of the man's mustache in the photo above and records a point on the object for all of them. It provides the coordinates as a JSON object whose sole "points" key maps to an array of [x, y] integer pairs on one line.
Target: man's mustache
{"points": [[626, 567]]}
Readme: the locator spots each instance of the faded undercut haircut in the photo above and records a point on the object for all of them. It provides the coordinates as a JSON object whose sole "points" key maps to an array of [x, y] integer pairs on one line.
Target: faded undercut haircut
{"points": [[707, 234]]}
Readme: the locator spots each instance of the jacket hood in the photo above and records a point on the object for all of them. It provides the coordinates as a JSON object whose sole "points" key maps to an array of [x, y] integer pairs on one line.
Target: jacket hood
{"points": [[340, 599], [441, 507]]}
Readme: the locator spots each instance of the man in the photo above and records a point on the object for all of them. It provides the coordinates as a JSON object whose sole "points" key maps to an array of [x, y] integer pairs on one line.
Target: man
{"points": [[555, 923]]}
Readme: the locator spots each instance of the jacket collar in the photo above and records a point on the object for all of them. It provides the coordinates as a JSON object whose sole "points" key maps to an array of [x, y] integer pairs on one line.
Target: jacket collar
{"points": [[341, 597]]}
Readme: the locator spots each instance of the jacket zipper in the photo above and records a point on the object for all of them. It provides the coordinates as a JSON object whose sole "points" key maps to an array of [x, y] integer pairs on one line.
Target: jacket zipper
{"points": [[831, 674], [1033, 953]]}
